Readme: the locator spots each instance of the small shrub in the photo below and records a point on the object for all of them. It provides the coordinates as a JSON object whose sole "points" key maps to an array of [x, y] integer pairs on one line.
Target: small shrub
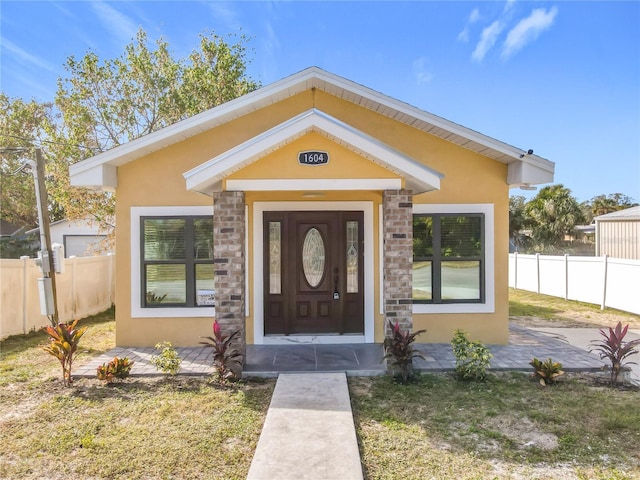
{"points": [[168, 361], [547, 372], [399, 349], [118, 368], [223, 355], [614, 348], [472, 358], [63, 345]]}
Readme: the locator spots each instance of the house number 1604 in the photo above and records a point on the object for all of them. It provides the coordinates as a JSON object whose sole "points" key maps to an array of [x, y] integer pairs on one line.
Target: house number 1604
{"points": [[313, 158]]}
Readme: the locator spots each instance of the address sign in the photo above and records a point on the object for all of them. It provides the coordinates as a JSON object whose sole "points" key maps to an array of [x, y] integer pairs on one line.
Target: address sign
{"points": [[313, 157]]}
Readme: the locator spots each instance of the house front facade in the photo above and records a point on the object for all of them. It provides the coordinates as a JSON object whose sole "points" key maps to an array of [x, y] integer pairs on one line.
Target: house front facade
{"points": [[311, 210]]}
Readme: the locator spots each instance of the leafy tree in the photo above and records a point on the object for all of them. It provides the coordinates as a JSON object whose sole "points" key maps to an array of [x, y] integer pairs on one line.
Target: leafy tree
{"points": [[603, 204], [518, 221], [554, 212], [20, 120], [103, 104]]}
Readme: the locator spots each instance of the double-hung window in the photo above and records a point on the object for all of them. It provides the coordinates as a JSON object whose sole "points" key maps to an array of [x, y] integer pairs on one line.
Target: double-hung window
{"points": [[448, 258], [176, 261]]}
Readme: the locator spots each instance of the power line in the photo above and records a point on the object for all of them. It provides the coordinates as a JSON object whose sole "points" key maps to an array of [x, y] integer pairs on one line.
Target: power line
{"points": [[35, 142]]}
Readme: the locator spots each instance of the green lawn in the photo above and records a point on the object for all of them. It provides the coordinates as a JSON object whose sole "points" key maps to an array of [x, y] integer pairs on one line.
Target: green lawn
{"points": [[180, 427], [506, 427]]}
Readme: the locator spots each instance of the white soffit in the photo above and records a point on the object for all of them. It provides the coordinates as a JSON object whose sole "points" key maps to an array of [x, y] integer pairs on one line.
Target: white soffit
{"points": [[207, 177], [312, 77]]}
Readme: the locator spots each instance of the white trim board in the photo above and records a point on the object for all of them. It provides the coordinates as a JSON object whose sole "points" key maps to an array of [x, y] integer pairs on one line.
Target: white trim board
{"points": [[259, 208], [137, 311]]}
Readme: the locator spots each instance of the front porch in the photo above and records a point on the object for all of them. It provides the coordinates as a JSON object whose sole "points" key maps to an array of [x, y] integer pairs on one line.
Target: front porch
{"points": [[358, 359]]}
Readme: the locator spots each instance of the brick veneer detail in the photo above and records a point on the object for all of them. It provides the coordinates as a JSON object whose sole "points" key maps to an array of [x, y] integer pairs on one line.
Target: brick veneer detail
{"points": [[229, 263], [397, 212]]}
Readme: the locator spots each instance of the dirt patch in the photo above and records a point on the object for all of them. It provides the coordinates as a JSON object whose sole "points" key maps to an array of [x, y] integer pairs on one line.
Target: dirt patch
{"points": [[523, 432]]}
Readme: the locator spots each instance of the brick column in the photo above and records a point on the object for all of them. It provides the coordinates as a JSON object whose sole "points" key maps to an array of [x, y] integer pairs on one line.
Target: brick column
{"points": [[229, 262], [397, 212]]}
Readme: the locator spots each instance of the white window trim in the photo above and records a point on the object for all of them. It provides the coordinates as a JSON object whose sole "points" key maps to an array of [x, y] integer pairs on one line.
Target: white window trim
{"points": [[258, 287], [137, 311], [487, 209]]}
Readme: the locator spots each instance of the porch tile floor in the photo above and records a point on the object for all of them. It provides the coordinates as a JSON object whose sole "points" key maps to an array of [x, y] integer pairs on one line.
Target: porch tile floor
{"points": [[357, 359]]}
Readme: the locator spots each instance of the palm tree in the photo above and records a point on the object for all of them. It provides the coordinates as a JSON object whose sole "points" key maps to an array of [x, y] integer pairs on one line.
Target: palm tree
{"points": [[554, 213]]}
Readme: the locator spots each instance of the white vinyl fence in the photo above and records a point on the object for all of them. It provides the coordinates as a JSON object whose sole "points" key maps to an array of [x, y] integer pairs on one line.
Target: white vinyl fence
{"points": [[608, 282], [85, 288]]}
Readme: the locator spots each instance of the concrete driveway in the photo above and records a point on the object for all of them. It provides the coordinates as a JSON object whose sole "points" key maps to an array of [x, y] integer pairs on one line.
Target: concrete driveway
{"points": [[582, 338]]}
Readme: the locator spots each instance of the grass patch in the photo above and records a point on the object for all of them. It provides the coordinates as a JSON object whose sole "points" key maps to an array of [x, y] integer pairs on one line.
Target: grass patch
{"points": [[565, 312], [179, 427], [505, 427]]}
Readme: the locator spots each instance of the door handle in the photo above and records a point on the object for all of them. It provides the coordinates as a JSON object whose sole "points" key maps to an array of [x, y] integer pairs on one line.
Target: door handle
{"points": [[336, 279]]}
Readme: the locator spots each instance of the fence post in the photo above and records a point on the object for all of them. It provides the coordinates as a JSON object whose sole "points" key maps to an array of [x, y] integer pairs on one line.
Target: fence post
{"points": [[604, 286], [515, 270], [566, 276], [538, 271], [24, 259]]}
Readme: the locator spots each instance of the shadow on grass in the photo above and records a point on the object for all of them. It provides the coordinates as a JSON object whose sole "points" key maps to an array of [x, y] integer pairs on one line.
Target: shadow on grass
{"points": [[16, 344], [519, 309]]}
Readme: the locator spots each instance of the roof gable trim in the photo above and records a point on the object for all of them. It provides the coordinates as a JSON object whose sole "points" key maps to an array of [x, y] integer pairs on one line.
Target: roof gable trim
{"points": [[208, 176]]}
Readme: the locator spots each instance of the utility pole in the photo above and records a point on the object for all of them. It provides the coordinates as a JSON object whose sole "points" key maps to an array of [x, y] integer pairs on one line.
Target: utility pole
{"points": [[46, 284], [42, 201]]}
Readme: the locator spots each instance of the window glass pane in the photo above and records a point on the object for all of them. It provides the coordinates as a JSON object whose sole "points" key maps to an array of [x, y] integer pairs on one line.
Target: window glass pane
{"points": [[352, 257], [275, 280], [422, 236], [460, 280], [460, 236], [313, 257], [204, 284], [166, 284], [203, 242], [164, 239], [422, 281]]}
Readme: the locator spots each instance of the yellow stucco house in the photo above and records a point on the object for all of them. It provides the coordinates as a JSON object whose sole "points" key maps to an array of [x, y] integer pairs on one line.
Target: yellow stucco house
{"points": [[313, 207]]}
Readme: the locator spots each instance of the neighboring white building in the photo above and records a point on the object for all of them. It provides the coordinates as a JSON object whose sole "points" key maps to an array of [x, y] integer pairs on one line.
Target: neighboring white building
{"points": [[81, 238], [618, 234]]}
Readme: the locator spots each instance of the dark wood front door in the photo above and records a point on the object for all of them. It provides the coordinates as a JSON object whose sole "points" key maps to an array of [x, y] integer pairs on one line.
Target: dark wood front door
{"points": [[313, 273]]}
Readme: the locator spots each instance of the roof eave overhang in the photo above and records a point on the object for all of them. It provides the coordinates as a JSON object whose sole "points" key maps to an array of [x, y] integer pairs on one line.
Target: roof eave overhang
{"points": [[530, 170], [526, 172], [209, 176]]}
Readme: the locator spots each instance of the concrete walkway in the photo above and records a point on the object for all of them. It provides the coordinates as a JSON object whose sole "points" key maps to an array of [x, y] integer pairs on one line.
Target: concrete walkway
{"points": [[309, 431]]}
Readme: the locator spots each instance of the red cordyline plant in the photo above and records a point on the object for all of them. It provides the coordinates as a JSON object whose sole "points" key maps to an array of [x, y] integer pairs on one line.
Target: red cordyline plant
{"points": [[614, 348], [399, 349], [224, 356], [63, 345]]}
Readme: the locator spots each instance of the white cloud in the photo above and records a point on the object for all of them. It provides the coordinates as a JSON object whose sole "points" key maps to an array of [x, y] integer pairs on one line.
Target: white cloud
{"points": [[509, 5], [420, 71], [488, 39], [527, 30], [226, 13], [118, 23], [23, 57], [474, 16]]}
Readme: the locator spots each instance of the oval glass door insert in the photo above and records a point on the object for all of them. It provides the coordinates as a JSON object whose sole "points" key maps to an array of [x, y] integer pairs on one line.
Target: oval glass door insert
{"points": [[313, 254]]}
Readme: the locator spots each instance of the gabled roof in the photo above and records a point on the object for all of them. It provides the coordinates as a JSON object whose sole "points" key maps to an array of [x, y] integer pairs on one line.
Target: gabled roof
{"points": [[100, 171], [209, 176], [632, 213]]}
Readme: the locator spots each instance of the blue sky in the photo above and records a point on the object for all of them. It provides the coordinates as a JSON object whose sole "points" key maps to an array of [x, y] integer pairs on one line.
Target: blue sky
{"points": [[561, 78]]}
